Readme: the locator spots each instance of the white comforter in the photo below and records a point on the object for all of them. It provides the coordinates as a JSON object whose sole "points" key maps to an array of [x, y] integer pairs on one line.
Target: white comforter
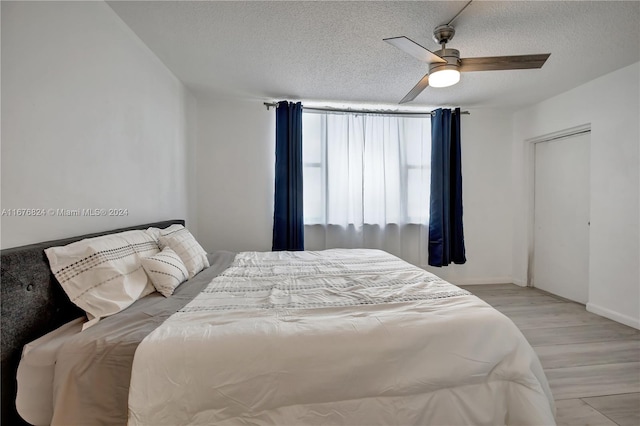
{"points": [[352, 337]]}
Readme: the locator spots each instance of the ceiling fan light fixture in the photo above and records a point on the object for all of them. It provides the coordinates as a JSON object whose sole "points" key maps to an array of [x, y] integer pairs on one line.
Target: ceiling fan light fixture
{"points": [[444, 77]]}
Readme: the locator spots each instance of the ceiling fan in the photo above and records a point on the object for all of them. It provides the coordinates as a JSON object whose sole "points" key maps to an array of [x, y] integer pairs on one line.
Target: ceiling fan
{"points": [[446, 65]]}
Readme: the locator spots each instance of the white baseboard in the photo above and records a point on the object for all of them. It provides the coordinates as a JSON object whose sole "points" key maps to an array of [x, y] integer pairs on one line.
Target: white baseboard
{"points": [[519, 282], [480, 281], [612, 315]]}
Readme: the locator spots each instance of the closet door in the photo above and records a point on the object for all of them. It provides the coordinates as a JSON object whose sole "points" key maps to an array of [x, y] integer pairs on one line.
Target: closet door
{"points": [[561, 217]]}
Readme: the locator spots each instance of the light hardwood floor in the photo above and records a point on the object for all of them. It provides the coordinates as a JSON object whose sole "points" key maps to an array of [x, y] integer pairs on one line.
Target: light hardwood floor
{"points": [[592, 363]]}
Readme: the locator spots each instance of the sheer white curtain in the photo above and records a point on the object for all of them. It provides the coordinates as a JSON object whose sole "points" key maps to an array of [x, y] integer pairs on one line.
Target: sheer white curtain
{"points": [[366, 182]]}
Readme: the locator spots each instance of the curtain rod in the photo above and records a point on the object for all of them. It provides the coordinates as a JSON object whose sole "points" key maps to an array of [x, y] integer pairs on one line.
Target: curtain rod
{"points": [[362, 111]]}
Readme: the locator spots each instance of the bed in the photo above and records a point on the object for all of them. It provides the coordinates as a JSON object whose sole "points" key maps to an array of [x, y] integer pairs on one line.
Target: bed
{"points": [[330, 337]]}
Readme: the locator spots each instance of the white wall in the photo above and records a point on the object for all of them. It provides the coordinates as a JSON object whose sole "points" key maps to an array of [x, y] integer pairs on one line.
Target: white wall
{"points": [[610, 104], [236, 162], [90, 119], [235, 165]]}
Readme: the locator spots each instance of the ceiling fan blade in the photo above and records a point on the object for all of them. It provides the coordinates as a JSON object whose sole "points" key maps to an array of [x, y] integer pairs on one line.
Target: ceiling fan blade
{"points": [[497, 63], [417, 89], [414, 49]]}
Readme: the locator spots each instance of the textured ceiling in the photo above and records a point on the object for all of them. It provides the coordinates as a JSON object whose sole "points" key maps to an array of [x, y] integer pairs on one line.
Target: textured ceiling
{"points": [[333, 51]]}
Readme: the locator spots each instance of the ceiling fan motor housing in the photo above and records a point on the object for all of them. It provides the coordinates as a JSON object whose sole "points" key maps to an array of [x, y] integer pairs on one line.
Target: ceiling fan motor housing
{"points": [[452, 56]]}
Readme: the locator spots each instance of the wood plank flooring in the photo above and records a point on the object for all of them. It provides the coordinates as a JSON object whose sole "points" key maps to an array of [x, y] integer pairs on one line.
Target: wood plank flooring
{"points": [[592, 363]]}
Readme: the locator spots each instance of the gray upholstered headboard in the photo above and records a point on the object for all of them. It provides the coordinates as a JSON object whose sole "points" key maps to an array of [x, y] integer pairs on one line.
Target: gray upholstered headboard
{"points": [[33, 304]]}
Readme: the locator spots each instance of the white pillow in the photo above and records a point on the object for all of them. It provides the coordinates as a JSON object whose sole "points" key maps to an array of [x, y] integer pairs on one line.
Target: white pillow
{"points": [[166, 270], [156, 233], [104, 275], [180, 240]]}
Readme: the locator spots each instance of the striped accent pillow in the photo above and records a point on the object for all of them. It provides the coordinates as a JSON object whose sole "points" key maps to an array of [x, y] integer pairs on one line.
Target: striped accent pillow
{"points": [[180, 240], [166, 270], [104, 275]]}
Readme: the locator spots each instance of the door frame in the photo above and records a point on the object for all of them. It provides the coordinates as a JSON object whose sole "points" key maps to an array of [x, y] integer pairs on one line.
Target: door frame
{"points": [[530, 145]]}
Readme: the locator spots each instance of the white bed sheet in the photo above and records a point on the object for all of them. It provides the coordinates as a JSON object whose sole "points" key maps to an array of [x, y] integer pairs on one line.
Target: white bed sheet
{"points": [[336, 337], [34, 399]]}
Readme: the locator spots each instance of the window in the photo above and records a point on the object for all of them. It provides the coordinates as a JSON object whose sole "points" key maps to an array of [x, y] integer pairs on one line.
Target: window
{"points": [[366, 169]]}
